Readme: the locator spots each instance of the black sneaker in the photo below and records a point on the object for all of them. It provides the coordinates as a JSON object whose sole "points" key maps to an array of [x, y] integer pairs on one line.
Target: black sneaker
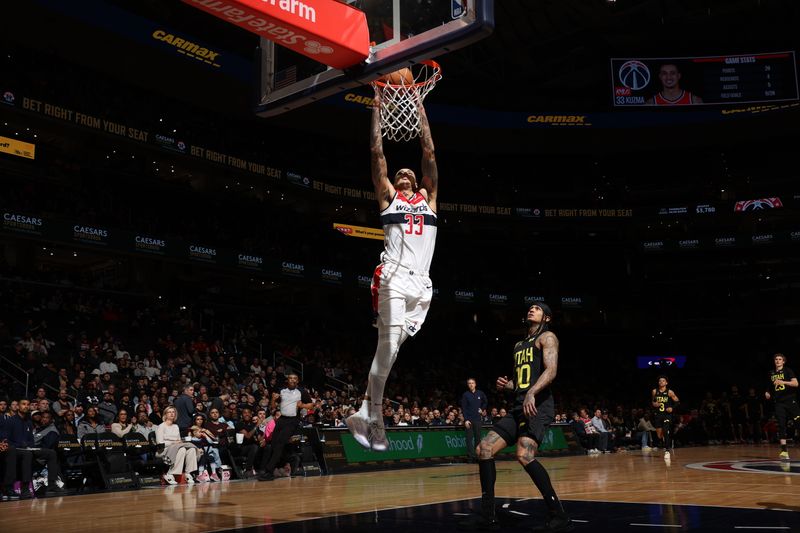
{"points": [[556, 524], [25, 494], [266, 476], [53, 488], [10, 496], [478, 522]]}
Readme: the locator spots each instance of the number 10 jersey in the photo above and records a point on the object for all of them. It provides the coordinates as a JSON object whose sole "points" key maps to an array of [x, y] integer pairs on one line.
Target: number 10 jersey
{"points": [[528, 366]]}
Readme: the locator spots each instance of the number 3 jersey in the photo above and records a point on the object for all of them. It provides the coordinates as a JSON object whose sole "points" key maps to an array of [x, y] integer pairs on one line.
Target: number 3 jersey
{"points": [[528, 366], [409, 228], [663, 400]]}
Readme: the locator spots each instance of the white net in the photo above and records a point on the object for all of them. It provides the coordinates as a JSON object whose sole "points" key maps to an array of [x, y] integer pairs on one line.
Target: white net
{"points": [[399, 102]]}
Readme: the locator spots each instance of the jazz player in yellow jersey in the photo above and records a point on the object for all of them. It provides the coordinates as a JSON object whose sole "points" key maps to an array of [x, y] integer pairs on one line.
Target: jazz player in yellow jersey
{"points": [[535, 366], [401, 288]]}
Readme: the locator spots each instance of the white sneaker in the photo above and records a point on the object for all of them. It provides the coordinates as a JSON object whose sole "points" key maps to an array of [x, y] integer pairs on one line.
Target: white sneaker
{"points": [[59, 483], [170, 479], [377, 437], [189, 478], [359, 428], [647, 449]]}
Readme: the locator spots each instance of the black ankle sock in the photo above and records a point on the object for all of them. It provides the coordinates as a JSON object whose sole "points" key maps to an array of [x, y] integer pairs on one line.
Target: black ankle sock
{"points": [[488, 474], [542, 481]]}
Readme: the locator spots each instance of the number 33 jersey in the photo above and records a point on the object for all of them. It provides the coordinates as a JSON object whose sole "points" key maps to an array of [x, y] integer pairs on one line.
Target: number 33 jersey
{"points": [[528, 366], [409, 228]]}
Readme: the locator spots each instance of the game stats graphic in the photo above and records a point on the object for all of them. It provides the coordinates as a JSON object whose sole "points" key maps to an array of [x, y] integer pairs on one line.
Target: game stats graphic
{"points": [[708, 80]]}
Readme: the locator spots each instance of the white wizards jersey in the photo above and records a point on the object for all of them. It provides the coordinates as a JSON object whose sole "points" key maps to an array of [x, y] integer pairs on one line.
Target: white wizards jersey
{"points": [[409, 228]]}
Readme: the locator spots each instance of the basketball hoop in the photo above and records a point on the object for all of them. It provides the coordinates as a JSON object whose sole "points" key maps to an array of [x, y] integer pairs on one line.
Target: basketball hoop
{"points": [[400, 98]]}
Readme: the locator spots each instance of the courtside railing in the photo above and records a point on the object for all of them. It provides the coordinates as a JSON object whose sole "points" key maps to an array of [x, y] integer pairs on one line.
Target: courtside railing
{"points": [[16, 373], [288, 362]]}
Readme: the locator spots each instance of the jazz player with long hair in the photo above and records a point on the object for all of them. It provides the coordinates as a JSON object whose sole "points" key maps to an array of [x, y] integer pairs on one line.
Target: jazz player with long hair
{"points": [[664, 401], [401, 288], [535, 367]]}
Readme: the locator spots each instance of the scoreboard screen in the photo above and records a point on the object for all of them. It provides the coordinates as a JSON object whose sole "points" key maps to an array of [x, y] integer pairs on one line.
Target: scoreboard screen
{"points": [[710, 80], [660, 361]]}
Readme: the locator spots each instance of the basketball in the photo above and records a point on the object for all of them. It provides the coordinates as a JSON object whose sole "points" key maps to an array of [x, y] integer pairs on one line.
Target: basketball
{"points": [[400, 77]]}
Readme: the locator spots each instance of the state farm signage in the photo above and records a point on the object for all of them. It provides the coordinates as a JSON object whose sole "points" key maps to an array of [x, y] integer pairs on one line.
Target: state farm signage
{"points": [[332, 33]]}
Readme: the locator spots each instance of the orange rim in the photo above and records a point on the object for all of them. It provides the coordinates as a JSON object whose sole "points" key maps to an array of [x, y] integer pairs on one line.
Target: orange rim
{"points": [[437, 75]]}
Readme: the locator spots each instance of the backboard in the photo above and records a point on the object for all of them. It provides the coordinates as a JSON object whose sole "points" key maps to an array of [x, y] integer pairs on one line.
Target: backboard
{"points": [[402, 32]]}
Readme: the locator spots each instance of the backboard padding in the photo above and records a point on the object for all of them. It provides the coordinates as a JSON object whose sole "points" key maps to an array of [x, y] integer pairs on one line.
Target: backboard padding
{"points": [[403, 32]]}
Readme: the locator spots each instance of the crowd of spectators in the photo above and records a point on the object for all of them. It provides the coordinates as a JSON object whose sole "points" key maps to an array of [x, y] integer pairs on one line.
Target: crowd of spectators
{"points": [[98, 365]]}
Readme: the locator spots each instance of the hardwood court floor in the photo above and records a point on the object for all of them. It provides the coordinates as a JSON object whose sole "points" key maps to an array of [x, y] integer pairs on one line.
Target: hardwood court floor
{"points": [[633, 477]]}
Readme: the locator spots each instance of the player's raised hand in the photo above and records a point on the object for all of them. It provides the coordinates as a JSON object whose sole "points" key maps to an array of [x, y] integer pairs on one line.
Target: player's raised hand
{"points": [[376, 99], [502, 382]]}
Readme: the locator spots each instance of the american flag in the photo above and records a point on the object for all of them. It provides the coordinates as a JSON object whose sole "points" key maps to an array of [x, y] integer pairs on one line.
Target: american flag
{"points": [[285, 77]]}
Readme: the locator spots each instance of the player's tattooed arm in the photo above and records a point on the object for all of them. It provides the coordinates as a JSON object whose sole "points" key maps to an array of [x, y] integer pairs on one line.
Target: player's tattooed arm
{"points": [[380, 176], [430, 172], [549, 344], [673, 396]]}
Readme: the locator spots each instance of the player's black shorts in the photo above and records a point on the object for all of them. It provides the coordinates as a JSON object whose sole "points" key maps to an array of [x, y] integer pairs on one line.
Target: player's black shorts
{"points": [[785, 411], [515, 424], [661, 420]]}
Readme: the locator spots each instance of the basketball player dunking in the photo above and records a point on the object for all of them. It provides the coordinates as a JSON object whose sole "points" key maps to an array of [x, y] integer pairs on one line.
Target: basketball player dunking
{"points": [[784, 385], [401, 288], [664, 401], [535, 365]]}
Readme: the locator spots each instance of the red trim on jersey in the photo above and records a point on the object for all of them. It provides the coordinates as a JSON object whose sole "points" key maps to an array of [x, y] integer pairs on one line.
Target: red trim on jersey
{"points": [[417, 198], [684, 99], [374, 286]]}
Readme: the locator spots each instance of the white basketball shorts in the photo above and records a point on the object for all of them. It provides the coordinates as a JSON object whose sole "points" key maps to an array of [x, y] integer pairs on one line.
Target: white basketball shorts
{"points": [[401, 297]]}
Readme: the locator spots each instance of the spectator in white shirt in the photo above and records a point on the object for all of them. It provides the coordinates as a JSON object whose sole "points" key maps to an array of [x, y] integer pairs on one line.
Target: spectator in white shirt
{"points": [[108, 366], [605, 435], [181, 455]]}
